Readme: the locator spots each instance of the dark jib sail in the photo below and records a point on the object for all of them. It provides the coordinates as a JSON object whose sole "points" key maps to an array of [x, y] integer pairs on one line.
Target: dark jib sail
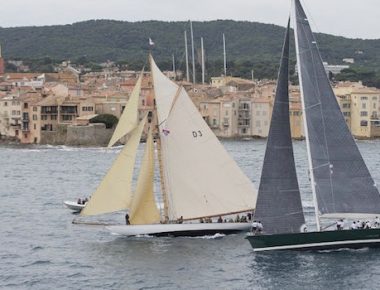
{"points": [[278, 204], [343, 184]]}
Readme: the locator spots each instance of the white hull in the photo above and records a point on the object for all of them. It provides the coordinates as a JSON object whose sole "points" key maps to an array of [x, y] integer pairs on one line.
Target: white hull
{"points": [[73, 205], [196, 229]]}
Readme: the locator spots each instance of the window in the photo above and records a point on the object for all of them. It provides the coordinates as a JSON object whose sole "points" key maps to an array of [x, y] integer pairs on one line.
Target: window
{"points": [[364, 98], [346, 105], [364, 105], [226, 113], [374, 98], [35, 126], [264, 113], [5, 104], [25, 105], [364, 123], [34, 117], [34, 109], [43, 117], [374, 105], [67, 117], [53, 117], [363, 113], [258, 124], [346, 114], [214, 122], [143, 102]]}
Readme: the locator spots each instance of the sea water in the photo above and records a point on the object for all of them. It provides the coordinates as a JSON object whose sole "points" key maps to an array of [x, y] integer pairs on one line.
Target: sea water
{"points": [[42, 249]]}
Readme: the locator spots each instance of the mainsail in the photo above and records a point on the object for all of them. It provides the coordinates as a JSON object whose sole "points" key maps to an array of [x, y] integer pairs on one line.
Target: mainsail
{"points": [[201, 178], [143, 209], [341, 181], [114, 192], [279, 206], [129, 119]]}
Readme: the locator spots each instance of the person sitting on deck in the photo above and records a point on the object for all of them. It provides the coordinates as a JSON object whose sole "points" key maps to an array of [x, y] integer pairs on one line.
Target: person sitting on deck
{"points": [[180, 220], [127, 219], [260, 227], [353, 226], [377, 222], [201, 220], [220, 220], [249, 216], [340, 225], [367, 225], [79, 201], [243, 219], [237, 220], [359, 225], [254, 227]]}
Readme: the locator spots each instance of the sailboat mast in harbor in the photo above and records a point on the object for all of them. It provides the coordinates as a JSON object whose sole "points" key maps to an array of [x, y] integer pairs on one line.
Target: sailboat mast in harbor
{"points": [[224, 56], [186, 58], [192, 50]]}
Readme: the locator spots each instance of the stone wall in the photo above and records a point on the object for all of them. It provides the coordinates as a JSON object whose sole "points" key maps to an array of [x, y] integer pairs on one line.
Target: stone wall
{"points": [[57, 137], [91, 135]]}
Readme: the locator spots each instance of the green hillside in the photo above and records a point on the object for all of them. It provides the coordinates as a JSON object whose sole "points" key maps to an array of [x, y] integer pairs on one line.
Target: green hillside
{"points": [[250, 45]]}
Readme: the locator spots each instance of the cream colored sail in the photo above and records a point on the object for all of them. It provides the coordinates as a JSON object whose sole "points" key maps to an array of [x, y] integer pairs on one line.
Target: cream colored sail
{"points": [[129, 119], [143, 209], [114, 192], [165, 91], [201, 178]]}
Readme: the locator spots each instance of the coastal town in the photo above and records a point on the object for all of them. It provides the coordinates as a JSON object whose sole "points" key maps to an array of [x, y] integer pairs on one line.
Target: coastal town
{"points": [[59, 107]]}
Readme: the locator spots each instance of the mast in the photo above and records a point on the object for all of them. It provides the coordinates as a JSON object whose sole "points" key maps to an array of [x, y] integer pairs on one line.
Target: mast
{"points": [[162, 178], [311, 172], [187, 58], [173, 63], [224, 55], [192, 50], [203, 61]]}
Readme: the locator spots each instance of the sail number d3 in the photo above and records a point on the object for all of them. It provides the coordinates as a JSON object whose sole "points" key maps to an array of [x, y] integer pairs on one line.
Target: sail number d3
{"points": [[197, 134]]}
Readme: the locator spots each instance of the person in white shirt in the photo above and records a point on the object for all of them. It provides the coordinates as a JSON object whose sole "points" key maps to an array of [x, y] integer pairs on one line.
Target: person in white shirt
{"points": [[354, 226], [340, 225], [367, 225], [254, 226], [377, 222], [260, 227]]}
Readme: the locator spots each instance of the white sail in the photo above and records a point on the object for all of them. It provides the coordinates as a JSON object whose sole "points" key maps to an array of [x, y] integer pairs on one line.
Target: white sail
{"points": [[165, 91], [114, 192], [129, 119], [143, 209], [201, 178]]}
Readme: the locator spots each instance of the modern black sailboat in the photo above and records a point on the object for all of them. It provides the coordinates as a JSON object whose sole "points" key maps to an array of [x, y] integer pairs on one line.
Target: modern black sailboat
{"points": [[341, 183]]}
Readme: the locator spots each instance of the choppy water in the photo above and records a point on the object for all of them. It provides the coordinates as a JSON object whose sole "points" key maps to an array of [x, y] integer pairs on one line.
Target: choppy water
{"points": [[41, 249]]}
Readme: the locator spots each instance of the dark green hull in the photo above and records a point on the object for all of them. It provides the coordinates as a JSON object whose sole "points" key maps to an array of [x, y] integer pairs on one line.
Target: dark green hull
{"points": [[316, 240]]}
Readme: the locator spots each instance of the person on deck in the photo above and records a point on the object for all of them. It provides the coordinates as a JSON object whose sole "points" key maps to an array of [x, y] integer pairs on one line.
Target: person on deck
{"points": [[180, 220], [79, 201], [254, 226], [367, 225], [260, 227], [354, 226], [237, 220], [377, 222], [127, 219], [340, 225], [220, 220], [249, 216]]}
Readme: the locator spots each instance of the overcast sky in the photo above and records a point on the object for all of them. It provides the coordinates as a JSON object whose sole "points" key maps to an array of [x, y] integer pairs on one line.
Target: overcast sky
{"points": [[350, 18]]}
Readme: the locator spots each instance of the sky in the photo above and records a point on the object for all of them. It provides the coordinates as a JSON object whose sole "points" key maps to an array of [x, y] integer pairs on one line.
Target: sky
{"points": [[349, 18]]}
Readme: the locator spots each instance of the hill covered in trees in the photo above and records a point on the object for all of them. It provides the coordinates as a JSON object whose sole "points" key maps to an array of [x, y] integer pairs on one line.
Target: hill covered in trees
{"points": [[250, 45]]}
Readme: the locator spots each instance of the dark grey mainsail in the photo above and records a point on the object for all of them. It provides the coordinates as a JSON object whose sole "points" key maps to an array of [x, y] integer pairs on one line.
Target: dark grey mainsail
{"points": [[278, 204], [342, 183]]}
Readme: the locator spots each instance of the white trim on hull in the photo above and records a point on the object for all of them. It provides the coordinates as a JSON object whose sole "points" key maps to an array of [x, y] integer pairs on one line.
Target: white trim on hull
{"points": [[73, 205], [317, 245], [196, 229]]}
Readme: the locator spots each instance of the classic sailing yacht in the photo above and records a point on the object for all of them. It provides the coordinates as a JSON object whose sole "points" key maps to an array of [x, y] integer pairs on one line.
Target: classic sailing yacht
{"points": [[341, 183], [198, 178]]}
